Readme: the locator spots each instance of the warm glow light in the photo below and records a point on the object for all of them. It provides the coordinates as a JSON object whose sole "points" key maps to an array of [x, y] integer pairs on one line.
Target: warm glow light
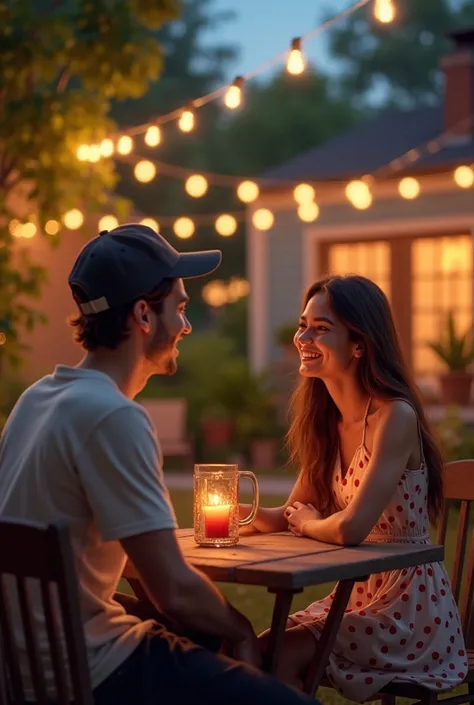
{"points": [[384, 11], [145, 171], [186, 121], [409, 188], [215, 293], [226, 225], [82, 153], [248, 191], [308, 212], [464, 176], [94, 153], [73, 219], [3, 338], [295, 64], [14, 227], [153, 136], [196, 185], [52, 227], [125, 145], [237, 289], [233, 96], [151, 223], [183, 228], [28, 230], [108, 222], [303, 193], [107, 148], [263, 219], [358, 193]]}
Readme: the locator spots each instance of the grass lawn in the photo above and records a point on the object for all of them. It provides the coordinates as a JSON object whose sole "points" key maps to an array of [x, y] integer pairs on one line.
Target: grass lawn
{"points": [[257, 604]]}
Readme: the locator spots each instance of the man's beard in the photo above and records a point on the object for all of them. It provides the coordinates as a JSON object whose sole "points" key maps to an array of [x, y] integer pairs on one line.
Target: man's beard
{"points": [[160, 349]]}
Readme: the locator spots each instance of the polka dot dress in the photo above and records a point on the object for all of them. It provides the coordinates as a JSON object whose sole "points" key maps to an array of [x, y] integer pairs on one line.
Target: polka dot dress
{"points": [[400, 626]]}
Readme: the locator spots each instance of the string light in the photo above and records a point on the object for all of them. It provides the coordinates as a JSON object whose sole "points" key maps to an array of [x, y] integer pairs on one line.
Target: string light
{"points": [[82, 153], [94, 154], [263, 219], [303, 193], [106, 148], [73, 219], [52, 227], [248, 191], [409, 188], [125, 145], [226, 225], [233, 96], [186, 121], [144, 171], [153, 136], [358, 193], [384, 11], [308, 212], [196, 185], [108, 222], [295, 64], [184, 228], [27, 230], [464, 176], [151, 223]]}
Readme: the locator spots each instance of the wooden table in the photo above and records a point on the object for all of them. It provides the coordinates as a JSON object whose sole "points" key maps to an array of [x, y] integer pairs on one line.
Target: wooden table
{"points": [[285, 565]]}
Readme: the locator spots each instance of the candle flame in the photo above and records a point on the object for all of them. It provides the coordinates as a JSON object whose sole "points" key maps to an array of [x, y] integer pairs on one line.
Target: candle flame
{"points": [[215, 499]]}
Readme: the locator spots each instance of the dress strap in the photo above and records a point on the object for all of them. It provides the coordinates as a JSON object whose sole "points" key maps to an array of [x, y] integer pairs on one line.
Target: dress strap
{"points": [[364, 429]]}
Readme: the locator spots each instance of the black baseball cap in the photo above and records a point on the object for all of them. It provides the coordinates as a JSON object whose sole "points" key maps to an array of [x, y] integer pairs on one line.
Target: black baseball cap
{"points": [[120, 265]]}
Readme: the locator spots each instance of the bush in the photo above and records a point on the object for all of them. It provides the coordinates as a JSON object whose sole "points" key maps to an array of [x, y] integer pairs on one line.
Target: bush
{"points": [[457, 441]]}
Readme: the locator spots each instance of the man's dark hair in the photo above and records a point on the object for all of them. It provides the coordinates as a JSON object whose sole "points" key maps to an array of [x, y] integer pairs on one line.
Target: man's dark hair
{"points": [[110, 328]]}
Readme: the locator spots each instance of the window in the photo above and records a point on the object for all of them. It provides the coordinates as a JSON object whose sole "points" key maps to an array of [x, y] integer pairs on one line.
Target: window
{"points": [[442, 282], [370, 259]]}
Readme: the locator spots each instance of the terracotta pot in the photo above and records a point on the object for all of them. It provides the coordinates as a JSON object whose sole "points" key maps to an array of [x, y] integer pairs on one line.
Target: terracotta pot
{"points": [[217, 433], [263, 453], [456, 388]]}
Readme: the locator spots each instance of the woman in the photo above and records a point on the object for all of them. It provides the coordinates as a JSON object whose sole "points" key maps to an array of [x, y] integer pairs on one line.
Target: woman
{"points": [[371, 471]]}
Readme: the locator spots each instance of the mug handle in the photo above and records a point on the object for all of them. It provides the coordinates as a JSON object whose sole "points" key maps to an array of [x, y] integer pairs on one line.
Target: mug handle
{"points": [[256, 497]]}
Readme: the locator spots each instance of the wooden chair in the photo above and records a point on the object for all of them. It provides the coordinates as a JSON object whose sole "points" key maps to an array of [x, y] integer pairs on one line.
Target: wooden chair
{"points": [[169, 417], [34, 557]]}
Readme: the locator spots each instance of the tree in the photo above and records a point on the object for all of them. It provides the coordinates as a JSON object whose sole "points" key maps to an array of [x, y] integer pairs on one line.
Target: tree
{"points": [[397, 64], [61, 65]]}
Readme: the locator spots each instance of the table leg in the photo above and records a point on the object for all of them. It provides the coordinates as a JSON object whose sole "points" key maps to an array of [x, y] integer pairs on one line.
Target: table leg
{"points": [[328, 635], [137, 588], [281, 611]]}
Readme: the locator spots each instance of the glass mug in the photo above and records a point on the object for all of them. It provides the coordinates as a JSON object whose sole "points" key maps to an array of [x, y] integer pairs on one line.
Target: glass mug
{"points": [[216, 504]]}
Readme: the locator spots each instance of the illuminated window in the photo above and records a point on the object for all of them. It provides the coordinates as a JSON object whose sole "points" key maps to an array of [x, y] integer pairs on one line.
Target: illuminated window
{"points": [[442, 282], [370, 259]]}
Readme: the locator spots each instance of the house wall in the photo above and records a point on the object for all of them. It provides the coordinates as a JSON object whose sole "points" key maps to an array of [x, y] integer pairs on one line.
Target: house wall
{"points": [[290, 253]]}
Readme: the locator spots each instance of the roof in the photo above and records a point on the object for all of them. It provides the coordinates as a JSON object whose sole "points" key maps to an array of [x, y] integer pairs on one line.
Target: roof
{"points": [[372, 145]]}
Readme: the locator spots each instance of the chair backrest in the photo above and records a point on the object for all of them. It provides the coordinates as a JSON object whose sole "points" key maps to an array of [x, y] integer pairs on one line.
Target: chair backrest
{"points": [[168, 417], [459, 487], [40, 558]]}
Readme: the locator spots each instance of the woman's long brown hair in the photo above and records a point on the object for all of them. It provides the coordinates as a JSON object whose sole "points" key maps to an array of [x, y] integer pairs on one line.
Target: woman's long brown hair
{"points": [[313, 437]]}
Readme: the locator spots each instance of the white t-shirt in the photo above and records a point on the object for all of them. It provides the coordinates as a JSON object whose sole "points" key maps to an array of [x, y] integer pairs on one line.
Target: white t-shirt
{"points": [[76, 449]]}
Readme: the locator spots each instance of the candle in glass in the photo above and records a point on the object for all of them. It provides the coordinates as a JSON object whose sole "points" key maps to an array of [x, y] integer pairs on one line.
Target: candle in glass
{"points": [[216, 518]]}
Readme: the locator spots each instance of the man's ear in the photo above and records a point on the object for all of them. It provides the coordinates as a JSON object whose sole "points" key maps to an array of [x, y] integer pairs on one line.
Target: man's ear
{"points": [[141, 315]]}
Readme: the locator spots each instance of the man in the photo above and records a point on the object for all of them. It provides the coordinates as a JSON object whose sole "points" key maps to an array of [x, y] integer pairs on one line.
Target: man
{"points": [[78, 448]]}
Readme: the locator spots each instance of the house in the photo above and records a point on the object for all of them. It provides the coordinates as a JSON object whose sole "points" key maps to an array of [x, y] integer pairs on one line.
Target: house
{"points": [[418, 248]]}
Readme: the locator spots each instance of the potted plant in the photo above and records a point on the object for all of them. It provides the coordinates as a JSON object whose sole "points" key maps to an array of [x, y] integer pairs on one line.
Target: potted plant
{"points": [[457, 352], [217, 427]]}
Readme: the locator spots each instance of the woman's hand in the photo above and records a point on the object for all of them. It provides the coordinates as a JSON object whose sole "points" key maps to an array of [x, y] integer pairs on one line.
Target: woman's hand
{"points": [[298, 515]]}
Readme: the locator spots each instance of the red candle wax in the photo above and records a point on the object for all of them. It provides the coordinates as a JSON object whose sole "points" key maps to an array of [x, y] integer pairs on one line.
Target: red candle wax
{"points": [[216, 521]]}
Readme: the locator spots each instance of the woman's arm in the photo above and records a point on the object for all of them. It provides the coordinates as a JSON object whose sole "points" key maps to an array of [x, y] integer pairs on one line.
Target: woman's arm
{"points": [[394, 442], [271, 519]]}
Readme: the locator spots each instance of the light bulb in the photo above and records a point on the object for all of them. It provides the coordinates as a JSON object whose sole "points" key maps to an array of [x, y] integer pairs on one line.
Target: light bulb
{"points": [[153, 136], [94, 153], [196, 185], [73, 219], [295, 64], [409, 188], [125, 145], [28, 230], [82, 153], [384, 11], [145, 171], [184, 228], [233, 96], [308, 212], [52, 227], [464, 176], [106, 148], [151, 223], [263, 219], [303, 193], [226, 225], [186, 121], [108, 222], [248, 191]]}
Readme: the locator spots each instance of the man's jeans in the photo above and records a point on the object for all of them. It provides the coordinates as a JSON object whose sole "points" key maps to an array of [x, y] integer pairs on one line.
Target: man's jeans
{"points": [[167, 669]]}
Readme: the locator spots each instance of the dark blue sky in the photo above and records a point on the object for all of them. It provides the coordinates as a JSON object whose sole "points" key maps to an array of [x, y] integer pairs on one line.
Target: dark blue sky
{"points": [[263, 28]]}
